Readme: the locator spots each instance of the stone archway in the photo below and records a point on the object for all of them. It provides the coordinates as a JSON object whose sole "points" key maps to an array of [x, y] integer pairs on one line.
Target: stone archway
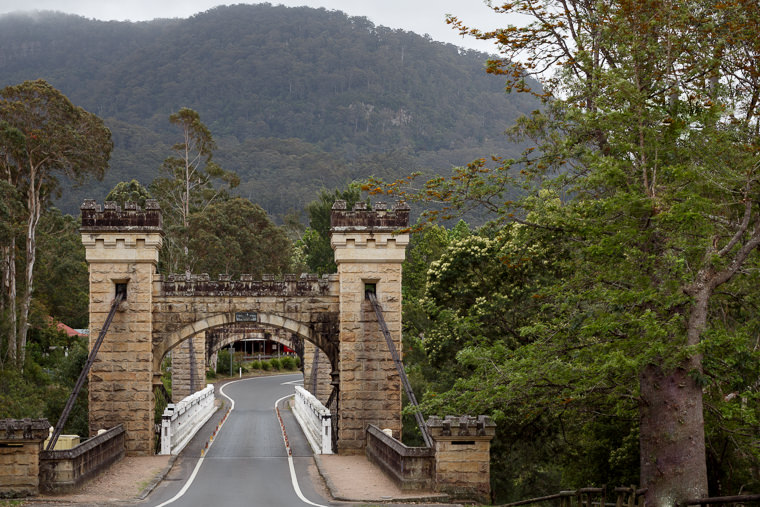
{"points": [[122, 248], [173, 339], [182, 381]]}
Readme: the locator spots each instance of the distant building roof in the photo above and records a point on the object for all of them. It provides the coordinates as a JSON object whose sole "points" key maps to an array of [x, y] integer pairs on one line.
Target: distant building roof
{"points": [[68, 330]]}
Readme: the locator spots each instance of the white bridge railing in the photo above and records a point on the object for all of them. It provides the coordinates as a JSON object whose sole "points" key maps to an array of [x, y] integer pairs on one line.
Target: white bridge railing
{"points": [[315, 420], [181, 421]]}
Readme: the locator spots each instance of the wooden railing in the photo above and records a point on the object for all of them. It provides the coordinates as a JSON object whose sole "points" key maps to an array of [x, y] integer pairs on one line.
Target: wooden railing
{"points": [[723, 500], [590, 497], [626, 497], [315, 420]]}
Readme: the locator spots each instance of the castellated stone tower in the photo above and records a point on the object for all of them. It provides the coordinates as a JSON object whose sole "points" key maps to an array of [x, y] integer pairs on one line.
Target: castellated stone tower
{"points": [[369, 251], [122, 252]]}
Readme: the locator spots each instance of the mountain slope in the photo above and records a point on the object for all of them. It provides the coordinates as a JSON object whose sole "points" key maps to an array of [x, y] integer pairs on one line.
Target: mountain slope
{"points": [[357, 98]]}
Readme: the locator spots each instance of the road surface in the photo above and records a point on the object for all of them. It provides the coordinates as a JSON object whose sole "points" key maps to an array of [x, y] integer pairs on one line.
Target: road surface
{"points": [[247, 463]]}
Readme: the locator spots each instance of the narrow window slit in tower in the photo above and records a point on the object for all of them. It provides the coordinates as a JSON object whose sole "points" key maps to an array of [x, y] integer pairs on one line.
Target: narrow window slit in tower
{"points": [[121, 289]]}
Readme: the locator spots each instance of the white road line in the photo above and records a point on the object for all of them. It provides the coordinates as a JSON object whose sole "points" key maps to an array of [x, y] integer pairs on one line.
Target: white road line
{"points": [[202, 458], [293, 478], [292, 382]]}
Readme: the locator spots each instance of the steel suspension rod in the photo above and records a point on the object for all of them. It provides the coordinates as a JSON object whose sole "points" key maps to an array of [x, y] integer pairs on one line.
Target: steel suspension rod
{"points": [[83, 375], [400, 369]]}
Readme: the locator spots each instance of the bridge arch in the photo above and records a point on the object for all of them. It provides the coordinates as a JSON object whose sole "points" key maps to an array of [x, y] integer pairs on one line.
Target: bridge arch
{"points": [[215, 343], [175, 338]]}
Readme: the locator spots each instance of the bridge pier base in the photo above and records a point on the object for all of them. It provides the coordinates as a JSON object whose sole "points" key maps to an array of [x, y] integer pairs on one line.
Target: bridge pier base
{"points": [[186, 378], [316, 374]]}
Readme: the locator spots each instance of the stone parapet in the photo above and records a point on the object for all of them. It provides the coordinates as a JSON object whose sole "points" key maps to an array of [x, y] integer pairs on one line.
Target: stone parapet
{"points": [[411, 468], [367, 236], [112, 218], [361, 219], [66, 470], [20, 447], [289, 285], [461, 427], [462, 455]]}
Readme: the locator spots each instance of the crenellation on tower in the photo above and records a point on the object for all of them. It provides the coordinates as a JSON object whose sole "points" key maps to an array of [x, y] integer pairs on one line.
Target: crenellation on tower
{"points": [[362, 219], [111, 217]]}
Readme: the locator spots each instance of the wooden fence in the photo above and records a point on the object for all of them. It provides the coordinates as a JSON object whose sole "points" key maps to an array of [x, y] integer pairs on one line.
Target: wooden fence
{"points": [[625, 497]]}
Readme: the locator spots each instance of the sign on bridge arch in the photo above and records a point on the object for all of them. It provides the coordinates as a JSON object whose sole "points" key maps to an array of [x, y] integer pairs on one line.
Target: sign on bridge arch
{"points": [[161, 313]]}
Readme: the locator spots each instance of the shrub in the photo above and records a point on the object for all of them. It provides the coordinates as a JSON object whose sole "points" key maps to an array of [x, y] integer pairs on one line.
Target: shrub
{"points": [[266, 366], [255, 364], [211, 373], [275, 363], [288, 363], [298, 361], [223, 362]]}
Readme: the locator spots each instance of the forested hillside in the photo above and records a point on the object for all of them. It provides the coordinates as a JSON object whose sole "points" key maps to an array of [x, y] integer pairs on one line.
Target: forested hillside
{"points": [[297, 98]]}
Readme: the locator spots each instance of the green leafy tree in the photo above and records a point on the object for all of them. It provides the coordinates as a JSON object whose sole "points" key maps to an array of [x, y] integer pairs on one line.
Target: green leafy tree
{"points": [[648, 140], [61, 274], [131, 191], [44, 136], [187, 186], [316, 239], [235, 236]]}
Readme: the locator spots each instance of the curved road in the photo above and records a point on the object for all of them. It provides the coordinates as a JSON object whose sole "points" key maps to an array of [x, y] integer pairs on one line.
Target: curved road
{"points": [[247, 463]]}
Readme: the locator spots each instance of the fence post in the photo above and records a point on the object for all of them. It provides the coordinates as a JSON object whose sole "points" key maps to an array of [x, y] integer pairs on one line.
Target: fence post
{"points": [[166, 429], [326, 434]]}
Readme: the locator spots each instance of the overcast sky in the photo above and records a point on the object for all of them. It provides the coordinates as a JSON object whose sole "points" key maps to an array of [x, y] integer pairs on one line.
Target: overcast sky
{"points": [[420, 16]]}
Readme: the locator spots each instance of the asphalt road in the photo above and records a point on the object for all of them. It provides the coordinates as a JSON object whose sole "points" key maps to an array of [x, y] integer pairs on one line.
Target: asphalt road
{"points": [[247, 463]]}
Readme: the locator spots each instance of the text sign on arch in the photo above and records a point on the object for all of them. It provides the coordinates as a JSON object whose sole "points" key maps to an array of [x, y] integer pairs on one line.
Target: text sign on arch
{"points": [[246, 317]]}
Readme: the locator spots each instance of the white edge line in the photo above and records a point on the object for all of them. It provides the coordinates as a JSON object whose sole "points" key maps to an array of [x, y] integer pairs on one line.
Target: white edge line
{"points": [[293, 478], [200, 460]]}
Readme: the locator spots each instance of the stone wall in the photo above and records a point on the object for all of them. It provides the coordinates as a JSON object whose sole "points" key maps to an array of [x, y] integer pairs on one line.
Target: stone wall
{"points": [[369, 250], [411, 468], [306, 306], [20, 447], [65, 471]]}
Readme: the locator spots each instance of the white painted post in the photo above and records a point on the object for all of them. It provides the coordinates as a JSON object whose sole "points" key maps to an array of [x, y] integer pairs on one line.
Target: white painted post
{"points": [[327, 433], [166, 429]]}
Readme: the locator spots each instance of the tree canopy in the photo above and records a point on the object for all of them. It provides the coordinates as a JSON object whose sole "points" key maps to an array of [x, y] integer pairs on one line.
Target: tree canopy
{"points": [[44, 138], [298, 99], [639, 185]]}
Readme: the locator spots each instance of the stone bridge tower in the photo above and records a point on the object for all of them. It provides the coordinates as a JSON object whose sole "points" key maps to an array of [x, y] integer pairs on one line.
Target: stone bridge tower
{"points": [[369, 252], [122, 253]]}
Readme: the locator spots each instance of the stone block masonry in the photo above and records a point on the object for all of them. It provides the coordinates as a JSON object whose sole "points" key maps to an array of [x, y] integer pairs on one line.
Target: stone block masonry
{"points": [[317, 381], [462, 455], [20, 448], [369, 248], [182, 370], [122, 249]]}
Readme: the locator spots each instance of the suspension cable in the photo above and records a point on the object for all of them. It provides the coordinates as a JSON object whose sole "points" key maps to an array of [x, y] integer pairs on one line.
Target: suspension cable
{"points": [[83, 375], [400, 369]]}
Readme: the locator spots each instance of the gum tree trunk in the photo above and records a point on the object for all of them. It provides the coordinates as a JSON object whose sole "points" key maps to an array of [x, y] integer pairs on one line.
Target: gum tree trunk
{"points": [[672, 440]]}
